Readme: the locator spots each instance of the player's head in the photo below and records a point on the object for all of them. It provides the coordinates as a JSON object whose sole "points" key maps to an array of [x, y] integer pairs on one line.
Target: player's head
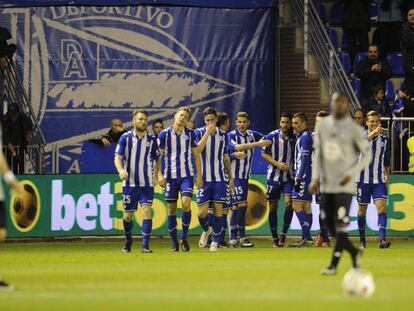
{"points": [[410, 16], [373, 120], [116, 125], [210, 115], [320, 115], [181, 116], [285, 122], [242, 121], [190, 124], [140, 119], [223, 121], [373, 51], [359, 117], [299, 122], [378, 92], [339, 105], [157, 126]]}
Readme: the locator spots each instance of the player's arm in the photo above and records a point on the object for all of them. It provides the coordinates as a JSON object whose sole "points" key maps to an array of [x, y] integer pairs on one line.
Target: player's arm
{"points": [[268, 158], [257, 144], [375, 133], [7, 174], [161, 142], [197, 162], [119, 156], [227, 166], [202, 143], [363, 147], [387, 162], [305, 158], [157, 172], [316, 163]]}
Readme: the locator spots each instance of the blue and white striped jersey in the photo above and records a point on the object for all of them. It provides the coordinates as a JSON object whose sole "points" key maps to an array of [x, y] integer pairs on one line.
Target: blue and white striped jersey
{"points": [[177, 156], [303, 155], [212, 157], [374, 173], [138, 155], [281, 150], [241, 167]]}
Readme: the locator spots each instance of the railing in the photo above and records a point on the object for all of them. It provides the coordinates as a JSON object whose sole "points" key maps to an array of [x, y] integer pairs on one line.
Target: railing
{"points": [[318, 45], [14, 92], [399, 149], [30, 162]]}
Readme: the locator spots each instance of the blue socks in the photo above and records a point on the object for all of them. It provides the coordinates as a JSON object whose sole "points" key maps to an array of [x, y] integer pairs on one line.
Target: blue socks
{"points": [[128, 230], [287, 220], [382, 225], [204, 222], [233, 224], [186, 220], [361, 226], [224, 228], [172, 228], [324, 231], [273, 223], [304, 224], [241, 221], [146, 232], [217, 229]]}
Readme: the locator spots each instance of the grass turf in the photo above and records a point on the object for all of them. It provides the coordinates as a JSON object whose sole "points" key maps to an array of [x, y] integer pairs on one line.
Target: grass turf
{"points": [[97, 276]]}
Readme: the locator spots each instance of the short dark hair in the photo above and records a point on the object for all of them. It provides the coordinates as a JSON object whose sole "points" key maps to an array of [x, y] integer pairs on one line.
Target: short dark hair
{"points": [[157, 121], [361, 110], [242, 114], [373, 45], [286, 115], [136, 111], [301, 115], [377, 88], [322, 114], [222, 118], [209, 110]]}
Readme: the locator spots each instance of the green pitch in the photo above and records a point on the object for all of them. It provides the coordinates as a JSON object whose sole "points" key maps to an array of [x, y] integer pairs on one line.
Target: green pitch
{"points": [[97, 276]]}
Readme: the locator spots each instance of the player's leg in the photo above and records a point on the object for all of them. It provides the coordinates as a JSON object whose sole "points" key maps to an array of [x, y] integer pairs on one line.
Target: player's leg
{"points": [[300, 199], [3, 232], [307, 207], [273, 196], [288, 215], [223, 243], [241, 187], [217, 226], [171, 195], [323, 236], [341, 203], [233, 227], [218, 192], [186, 198], [380, 196], [203, 200], [363, 198], [130, 202], [146, 197]]}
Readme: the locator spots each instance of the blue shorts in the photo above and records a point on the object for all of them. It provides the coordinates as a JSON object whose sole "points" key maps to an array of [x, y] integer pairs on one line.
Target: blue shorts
{"points": [[228, 203], [365, 191], [174, 186], [131, 196], [303, 194], [274, 189], [213, 191], [241, 190]]}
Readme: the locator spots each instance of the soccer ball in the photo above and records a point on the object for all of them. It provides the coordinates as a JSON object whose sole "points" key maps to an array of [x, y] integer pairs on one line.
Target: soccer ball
{"points": [[25, 207], [358, 283]]}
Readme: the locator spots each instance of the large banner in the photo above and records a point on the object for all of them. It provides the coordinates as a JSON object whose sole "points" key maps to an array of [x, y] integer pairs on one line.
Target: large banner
{"points": [[84, 65], [88, 204]]}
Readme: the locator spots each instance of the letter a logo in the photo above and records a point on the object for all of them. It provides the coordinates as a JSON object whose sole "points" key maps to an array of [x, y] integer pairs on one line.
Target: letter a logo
{"points": [[72, 58]]}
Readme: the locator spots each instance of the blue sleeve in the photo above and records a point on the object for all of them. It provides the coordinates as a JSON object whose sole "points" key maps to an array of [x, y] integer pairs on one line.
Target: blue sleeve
{"points": [[120, 147], [268, 149], [226, 144], [306, 145], [161, 139], [155, 151], [257, 135], [193, 140], [387, 155], [231, 145], [197, 135]]}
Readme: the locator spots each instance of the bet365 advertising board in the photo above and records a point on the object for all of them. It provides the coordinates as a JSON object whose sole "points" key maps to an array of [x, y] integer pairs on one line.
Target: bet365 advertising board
{"points": [[91, 205]]}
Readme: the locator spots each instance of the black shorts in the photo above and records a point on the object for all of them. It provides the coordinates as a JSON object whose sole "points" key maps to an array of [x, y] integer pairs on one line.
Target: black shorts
{"points": [[3, 221], [335, 207]]}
